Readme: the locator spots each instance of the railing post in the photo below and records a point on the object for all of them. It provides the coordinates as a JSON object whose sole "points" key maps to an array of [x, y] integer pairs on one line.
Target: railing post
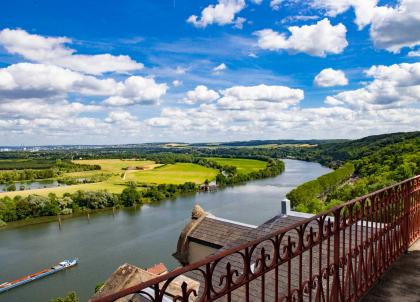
{"points": [[335, 289], [406, 193]]}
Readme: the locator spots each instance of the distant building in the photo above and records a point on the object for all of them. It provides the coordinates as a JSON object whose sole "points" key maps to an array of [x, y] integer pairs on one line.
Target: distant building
{"points": [[209, 187]]}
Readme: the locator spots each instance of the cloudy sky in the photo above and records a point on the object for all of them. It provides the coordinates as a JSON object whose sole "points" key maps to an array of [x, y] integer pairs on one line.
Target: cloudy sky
{"points": [[110, 72]]}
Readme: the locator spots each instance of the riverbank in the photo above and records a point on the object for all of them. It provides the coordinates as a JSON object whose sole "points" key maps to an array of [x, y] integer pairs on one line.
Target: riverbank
{"points": [[165, 181], [142, 236]]}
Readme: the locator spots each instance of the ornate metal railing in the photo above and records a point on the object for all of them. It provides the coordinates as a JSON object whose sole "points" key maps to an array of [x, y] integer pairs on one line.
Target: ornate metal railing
{"points": [[334, 256]]}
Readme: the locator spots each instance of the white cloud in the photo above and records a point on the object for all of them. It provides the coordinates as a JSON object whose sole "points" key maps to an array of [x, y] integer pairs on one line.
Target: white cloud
{"points": [[260, 96], [245, 112], [275, 4], [181, 70], [239, 22], [396, 28], [330, 77], [219, 68], [414, 53], [393, 86], [222, 13], [298, 18], [177, 83], [392, 27], [200, 94], [27, 80], [52, 50], [36, 108], [319, 39], [120, 117], [363, 9]]}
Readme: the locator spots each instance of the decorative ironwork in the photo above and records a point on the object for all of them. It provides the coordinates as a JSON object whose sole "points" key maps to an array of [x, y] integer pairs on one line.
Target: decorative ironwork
{"points": [[333, 256]]}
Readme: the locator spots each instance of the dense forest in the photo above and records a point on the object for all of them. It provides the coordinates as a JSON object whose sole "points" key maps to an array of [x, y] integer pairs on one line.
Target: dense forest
{"points": [[377, 161]]}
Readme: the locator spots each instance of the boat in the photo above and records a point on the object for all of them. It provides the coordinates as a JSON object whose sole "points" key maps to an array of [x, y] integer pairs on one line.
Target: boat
{"points": [[38, 275]]}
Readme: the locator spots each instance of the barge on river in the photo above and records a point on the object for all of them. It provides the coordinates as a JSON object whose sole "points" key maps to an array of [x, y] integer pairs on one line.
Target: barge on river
{"points": [[41, 274]]}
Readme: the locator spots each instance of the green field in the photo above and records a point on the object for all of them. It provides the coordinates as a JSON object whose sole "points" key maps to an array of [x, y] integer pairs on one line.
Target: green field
{"points": [[152, 174], [178, 173], [115, 184], [243, 165], [116, 165]]}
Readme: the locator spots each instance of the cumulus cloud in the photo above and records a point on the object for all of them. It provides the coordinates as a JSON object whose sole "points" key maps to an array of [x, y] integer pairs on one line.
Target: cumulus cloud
{"points": [[266, 111], [318, 39], [364, 9], [396, 28], [260, 96], [53, 50], [125, 119], [393, 86], [222, 13], [36, 108], [28, 80], [200, 94], [330, 77], [392, 27]]}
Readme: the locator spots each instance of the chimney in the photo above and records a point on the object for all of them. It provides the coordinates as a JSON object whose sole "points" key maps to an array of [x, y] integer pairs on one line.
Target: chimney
{"points": [[285, 207]]}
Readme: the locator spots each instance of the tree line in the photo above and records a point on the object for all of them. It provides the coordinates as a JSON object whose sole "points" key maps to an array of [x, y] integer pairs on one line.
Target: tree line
{"points": [[307, 197], [53, 170], [17, 208]]}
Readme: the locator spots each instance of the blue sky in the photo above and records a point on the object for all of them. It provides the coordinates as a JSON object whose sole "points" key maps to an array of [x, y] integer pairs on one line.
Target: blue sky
{"points": [[141, 71]]}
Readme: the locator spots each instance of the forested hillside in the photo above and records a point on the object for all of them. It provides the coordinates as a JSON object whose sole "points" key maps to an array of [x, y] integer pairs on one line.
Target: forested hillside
{"points": [[378, 161]]}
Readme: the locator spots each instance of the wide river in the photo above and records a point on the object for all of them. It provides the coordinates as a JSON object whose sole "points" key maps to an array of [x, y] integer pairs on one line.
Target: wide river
{"points": [[141, 237]]}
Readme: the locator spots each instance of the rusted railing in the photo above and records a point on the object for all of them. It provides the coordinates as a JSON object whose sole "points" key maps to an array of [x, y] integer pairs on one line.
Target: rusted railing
{"points": [[334, 256]]}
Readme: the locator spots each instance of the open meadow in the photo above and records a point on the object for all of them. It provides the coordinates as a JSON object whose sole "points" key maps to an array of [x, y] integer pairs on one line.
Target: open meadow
{"points": [[243, 165], [123, 171], [178, 173]]}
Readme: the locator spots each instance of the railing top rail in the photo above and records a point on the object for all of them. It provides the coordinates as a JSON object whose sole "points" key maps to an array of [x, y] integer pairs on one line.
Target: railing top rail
{"points": [[212, 258]]}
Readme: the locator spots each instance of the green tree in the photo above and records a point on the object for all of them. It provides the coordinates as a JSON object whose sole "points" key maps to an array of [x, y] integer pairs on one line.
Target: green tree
{"points": [[130, 195], [71, 297], [11, 187]]}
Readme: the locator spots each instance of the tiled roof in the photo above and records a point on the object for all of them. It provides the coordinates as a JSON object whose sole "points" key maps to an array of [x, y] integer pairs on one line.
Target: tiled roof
{"points": [[217, 233], [157, 269]]}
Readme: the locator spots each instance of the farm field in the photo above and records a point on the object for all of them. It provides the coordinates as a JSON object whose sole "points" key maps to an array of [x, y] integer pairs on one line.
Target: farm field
{"points": [[117, 165], [153, 173], [114, 184], [243, 165], [178, 173]]}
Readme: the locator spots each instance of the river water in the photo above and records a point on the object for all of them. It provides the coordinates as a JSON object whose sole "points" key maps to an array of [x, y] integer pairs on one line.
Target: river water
{"points": [[141, 237], [29, 185]]}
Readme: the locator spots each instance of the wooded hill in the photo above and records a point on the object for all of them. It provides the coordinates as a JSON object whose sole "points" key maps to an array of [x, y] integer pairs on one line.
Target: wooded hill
{"points": [[377, 161]]}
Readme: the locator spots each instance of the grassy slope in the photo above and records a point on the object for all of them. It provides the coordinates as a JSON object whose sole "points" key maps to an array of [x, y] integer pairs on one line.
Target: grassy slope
{"points": [[243, 165], [178, 173]]}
